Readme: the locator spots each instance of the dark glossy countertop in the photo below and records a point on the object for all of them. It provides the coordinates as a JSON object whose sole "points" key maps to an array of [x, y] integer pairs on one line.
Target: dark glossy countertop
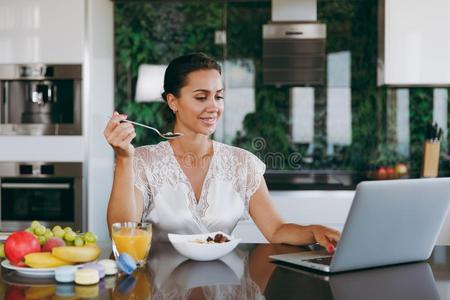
{"points": [[246, 273]]}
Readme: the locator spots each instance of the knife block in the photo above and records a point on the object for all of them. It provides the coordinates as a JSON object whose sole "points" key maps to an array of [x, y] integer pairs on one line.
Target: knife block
{"points": [[430, 161]]}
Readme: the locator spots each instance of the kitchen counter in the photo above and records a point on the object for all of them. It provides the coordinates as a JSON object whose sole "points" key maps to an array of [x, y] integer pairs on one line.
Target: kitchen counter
{"points": [[246, 273], [311, 180]]}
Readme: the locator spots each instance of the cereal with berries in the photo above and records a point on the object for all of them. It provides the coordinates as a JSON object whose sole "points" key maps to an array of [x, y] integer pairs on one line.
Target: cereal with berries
{"points": [[218, 239]]}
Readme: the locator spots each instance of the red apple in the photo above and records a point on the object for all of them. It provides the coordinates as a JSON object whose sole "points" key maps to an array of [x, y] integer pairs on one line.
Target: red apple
{"points": [[401, 169], [52, 243], [390, 173], [19, 244], [381, 173]]}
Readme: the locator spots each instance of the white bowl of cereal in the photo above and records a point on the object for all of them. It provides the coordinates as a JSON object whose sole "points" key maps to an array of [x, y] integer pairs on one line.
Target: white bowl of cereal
{"points": [[205, 246]]}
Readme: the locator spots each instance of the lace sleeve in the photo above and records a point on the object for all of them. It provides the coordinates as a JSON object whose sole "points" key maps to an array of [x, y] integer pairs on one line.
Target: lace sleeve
{"points": [[140, 163], [255, 170]]}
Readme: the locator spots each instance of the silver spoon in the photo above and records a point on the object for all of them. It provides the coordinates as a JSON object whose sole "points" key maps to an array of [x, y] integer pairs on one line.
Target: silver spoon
{"points": [[168, 135]]}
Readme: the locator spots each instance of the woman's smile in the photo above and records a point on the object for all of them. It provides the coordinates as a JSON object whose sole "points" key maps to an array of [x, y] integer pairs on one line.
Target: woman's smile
{"points": [[209, 120]]}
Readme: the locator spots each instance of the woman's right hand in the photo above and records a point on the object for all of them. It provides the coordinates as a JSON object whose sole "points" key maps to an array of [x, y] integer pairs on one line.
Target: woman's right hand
{"points": [[119, 135]]}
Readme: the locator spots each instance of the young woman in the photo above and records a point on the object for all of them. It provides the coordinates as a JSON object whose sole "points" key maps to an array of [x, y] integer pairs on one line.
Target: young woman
{"points": [[193, 184]]}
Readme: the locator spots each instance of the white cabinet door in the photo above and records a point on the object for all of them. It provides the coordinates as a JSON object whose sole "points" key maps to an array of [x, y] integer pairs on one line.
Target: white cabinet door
{"points": [[415, 46], [41, 31]]}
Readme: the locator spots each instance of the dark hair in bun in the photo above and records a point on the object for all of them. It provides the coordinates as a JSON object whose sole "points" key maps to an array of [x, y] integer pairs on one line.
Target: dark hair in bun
{"points": [[180, 67]]}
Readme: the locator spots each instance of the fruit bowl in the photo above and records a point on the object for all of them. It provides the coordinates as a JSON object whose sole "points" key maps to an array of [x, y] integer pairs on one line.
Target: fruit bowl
{"points": [[189, 245], [29, 272], [37, 250]]}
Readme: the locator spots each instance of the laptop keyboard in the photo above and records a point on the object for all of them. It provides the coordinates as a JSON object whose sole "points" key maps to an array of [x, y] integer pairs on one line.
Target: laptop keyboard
{"points": [[322, 260]]}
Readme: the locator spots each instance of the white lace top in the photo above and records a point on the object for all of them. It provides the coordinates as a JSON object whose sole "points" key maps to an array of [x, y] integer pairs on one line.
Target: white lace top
{"points": [[170, 205]]}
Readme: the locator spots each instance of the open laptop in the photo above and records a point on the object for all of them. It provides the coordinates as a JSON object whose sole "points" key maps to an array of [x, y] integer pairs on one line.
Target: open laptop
{"points": [[390, 222]]}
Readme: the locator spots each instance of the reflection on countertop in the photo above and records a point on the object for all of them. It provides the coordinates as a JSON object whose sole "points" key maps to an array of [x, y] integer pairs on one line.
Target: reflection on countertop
{"points": [[246, 273], [409, 281]]}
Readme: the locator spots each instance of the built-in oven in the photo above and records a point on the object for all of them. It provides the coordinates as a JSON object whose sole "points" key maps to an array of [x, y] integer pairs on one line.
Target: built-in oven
{"points": [[48, 192]]}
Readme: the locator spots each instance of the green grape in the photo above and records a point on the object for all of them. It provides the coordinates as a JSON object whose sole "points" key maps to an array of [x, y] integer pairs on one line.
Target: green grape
{"points": [[2, 250], [48, 234], [78, 242], [40, 230], [30, 230], [59, 233], [68, 229], [56, 228], [89, 237], [35, 224], [70, 236], [41, 240]]}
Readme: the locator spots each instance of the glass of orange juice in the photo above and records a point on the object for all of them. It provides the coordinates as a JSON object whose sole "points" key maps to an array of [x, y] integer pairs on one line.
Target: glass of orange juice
{"points": [[132, 238]]}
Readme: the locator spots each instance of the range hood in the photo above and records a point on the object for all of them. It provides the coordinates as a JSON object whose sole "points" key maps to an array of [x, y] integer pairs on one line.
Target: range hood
{"points": [[294, 50]]}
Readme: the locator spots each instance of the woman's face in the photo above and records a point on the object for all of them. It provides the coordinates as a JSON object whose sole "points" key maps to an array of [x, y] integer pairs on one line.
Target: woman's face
{"points": [[200, 102]]}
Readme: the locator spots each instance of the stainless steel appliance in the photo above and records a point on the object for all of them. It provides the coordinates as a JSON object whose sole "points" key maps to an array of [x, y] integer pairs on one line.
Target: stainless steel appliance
{"points": [[38, 99], [294, 53], [48, 192]]}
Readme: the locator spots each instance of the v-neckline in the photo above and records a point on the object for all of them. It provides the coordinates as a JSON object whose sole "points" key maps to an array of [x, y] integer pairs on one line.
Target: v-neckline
{"points": [[186, 178]]}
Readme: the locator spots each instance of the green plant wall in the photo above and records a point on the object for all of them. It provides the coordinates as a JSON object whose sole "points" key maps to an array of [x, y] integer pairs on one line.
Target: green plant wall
{"points": [[157, 31]]}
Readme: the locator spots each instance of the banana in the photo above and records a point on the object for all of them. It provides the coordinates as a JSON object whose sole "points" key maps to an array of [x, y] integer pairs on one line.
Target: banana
{"points": [[75, 254], [44, 260]]}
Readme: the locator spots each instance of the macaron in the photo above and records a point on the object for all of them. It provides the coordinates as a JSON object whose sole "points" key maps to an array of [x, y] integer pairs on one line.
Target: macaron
{"points": [[109, 265], [95, 266], [86, 277], [65, 274], [126, 263], [65, 290]]}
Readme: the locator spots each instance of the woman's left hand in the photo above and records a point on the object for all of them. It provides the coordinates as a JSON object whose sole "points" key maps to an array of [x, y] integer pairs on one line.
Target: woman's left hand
{"points": [[326, 237]]}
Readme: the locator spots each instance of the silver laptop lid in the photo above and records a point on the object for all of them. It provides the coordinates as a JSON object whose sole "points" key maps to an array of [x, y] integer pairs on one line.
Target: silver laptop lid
{"points": [[392, 221]]}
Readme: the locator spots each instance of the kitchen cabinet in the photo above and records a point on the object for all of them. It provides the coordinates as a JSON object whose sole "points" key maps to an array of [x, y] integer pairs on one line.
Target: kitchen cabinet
{"points": [[42, 31], [68, 32], [414, 43]]}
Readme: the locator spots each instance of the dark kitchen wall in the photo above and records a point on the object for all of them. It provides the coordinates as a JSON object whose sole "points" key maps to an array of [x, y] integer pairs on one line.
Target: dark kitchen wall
{"points": [[154, 32]]}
